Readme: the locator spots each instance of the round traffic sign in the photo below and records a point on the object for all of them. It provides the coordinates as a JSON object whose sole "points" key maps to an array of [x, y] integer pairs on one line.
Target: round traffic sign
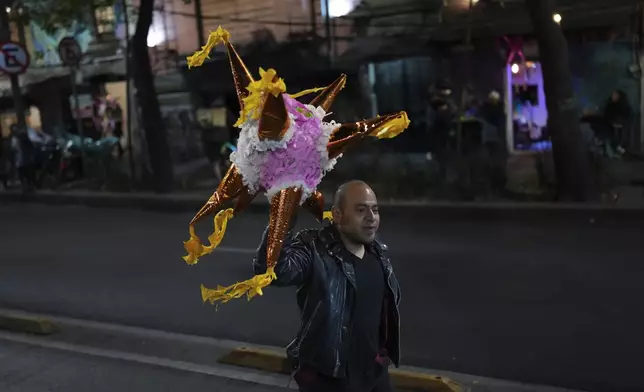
{"points": [[69, 51], [14, 58]]}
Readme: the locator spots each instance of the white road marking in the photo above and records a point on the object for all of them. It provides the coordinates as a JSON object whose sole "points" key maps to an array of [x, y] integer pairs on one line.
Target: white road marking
{"points": [[217, 371], [138, 331], [223, 371]]}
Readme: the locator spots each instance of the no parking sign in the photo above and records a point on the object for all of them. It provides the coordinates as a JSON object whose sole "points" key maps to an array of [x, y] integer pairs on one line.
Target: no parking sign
{"points": [[14, 58]]}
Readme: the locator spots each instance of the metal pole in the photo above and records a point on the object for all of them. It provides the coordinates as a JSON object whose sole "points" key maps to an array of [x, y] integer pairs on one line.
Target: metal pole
{"points": [[18, 102], [328, 30], [79, 122], [334, 44], [314, 19], [128, 91], [641, 61], [166, 39], [21, 28], [199, 18]]}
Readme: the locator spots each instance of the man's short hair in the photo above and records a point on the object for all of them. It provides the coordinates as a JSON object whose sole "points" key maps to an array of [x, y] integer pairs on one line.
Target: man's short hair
{"points": [[340, 193]]}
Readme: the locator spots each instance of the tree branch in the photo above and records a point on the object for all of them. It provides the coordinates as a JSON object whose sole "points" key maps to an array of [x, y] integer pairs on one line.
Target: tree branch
{"points": [[143, 23]]}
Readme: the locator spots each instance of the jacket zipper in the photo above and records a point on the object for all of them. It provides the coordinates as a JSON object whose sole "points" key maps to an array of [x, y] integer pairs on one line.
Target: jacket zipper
{"points": [[308, 325]]}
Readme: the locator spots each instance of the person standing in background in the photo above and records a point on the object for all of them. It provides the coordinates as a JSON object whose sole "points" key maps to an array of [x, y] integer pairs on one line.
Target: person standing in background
{"points": [[441, 113], [493, 113], [216, 124], [114, 118], [5, 161], [23, 153]]}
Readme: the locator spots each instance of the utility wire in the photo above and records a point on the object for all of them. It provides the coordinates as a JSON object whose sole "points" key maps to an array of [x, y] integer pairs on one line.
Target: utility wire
{"points": [[420, 12], [288, 23]]}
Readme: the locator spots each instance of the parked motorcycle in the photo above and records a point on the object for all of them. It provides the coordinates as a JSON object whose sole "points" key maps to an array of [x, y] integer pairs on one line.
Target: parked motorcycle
{"points": [[67, 157], [48, 157]]}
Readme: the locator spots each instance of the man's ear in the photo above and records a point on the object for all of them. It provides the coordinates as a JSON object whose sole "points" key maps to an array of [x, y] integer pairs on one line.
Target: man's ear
{"points": [[337, 214]]}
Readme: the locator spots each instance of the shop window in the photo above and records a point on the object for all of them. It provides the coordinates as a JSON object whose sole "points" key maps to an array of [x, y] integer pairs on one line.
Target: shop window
{"points": [[105, 20]]}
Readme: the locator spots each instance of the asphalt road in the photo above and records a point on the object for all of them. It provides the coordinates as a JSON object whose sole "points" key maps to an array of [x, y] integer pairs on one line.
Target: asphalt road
{"points": [[25, 368], [559, 304]]}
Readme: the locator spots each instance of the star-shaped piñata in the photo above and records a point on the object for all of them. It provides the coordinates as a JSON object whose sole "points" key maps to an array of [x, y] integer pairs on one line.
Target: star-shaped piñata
{"points": [[284, 149]]}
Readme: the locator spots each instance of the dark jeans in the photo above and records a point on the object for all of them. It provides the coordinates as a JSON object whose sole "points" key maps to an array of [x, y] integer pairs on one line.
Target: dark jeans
{"points": [[213, 151], [309, 380], [27, 177], [118, 133], [498, 155]]}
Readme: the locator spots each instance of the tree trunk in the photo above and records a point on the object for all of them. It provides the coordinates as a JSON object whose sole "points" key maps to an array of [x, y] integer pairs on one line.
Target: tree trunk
{"points": [[571, 158], [152, 122]]}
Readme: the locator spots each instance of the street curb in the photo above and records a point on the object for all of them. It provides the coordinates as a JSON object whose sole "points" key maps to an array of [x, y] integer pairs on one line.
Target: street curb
{"points": [[426, 211], [277, 363], [32, 325]]}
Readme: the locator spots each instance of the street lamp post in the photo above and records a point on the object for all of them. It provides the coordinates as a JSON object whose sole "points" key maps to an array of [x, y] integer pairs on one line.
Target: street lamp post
{"points": [[128, 92]]}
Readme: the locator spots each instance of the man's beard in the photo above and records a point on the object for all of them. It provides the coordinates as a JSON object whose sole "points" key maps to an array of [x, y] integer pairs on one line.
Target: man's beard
{"points": [[358, 239]]}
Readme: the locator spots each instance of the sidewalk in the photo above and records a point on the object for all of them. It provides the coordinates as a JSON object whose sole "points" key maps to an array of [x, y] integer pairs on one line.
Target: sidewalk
{"points": [[108, 357], [192, 201]]}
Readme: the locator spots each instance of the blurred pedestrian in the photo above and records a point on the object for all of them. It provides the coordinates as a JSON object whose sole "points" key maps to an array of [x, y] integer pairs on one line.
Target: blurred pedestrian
{"points": [[5, 161], [442, 112], [493, 113], [348, 298], [24, 158]]}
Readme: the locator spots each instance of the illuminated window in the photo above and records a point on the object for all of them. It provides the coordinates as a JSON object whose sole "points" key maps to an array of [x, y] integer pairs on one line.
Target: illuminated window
{"points": [[338, 8], [105, 20]]}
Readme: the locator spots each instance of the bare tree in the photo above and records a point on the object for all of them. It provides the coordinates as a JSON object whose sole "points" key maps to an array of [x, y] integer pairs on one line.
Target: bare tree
{"points": [[571, 158], [155, 134]]}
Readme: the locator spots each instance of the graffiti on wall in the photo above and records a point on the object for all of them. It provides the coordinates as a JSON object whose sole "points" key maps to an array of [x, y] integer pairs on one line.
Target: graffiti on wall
{"points": [[45, 44]]}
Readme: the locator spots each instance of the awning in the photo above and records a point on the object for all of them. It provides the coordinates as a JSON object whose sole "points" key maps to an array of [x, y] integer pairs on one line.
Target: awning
{"points": [[114, 66]]}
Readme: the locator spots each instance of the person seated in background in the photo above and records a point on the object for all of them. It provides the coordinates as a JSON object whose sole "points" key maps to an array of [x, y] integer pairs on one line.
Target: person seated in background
{"points": [[617, 114], [473, 109]]}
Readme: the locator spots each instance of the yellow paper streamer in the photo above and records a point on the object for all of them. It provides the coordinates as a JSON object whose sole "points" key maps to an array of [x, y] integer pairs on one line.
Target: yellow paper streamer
{"points": [[252, 104], [250, 288], [394, 128], [196, 249], [307, 92], [216, 37]]}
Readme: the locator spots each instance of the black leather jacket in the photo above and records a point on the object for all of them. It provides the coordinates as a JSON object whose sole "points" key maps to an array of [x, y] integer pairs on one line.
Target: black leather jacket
{"points": [[326, 283]]}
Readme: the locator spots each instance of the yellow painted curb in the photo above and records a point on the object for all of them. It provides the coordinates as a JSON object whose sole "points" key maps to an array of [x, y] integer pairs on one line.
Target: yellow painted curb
{"points": [[414, 381], [258, 359], [27, 324], [275, 362]]}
